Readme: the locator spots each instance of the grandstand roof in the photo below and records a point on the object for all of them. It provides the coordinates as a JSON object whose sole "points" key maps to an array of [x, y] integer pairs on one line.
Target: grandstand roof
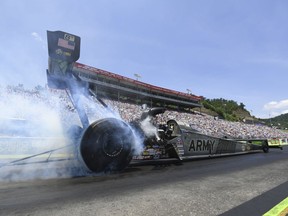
{"points": [[109, 82]]}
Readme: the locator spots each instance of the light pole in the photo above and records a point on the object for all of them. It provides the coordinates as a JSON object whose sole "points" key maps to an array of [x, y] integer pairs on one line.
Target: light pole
{"points": [[270, 119], [252, 116], [137, 76]]}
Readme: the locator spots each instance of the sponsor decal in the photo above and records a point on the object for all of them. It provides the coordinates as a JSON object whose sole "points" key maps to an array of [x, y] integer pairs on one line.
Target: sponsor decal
{"points": [[226, 147], [179, 143], [58, 52], [201, 145], [69, 37], [66, 53]]}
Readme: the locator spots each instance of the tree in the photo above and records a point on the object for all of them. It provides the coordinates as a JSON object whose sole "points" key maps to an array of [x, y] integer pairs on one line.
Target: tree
{"points": [[242, 106]]}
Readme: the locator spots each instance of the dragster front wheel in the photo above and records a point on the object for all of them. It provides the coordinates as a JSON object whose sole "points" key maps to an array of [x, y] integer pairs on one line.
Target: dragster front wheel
{"points": [[265, 147], [107, 145]]}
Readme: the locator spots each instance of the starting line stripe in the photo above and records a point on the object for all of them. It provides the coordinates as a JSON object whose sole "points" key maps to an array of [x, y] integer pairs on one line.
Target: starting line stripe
{"points": [[280, 209]]}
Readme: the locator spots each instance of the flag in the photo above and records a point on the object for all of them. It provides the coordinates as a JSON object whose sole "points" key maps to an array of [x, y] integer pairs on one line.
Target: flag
{"points": [[66, 44]]}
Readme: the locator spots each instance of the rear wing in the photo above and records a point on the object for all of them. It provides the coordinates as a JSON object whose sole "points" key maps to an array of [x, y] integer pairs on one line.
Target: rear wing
{"points": [[63, 50], [63, 46]]}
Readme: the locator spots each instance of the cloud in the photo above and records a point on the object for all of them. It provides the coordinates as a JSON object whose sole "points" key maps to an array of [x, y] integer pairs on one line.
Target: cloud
{"points": [[284, 111], [37, 36], [283, 104], [39, 39], [276, 108]]}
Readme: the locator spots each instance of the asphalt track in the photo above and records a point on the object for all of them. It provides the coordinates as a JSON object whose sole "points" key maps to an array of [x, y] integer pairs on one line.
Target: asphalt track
{"points": [[237, 185]]}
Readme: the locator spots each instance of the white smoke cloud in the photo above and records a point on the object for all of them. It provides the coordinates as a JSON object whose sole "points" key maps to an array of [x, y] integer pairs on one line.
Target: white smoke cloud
{"points": [[30, 125], [33, 123], [148, 127]]}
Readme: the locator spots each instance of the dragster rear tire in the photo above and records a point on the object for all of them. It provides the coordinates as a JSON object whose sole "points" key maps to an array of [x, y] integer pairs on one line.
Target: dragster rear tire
{"points": [[107, 145]]}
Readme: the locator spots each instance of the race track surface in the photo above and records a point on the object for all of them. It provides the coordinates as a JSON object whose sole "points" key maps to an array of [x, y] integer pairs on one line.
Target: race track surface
{"points": [[237, 185]]}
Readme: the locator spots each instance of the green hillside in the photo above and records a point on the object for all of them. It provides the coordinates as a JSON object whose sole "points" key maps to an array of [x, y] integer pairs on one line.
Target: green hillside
{"points": [[232, 111], [280, 121], [226, 109]]}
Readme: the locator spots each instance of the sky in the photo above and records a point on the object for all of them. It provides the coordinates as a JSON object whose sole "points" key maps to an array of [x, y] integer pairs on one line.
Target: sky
{"points": [[231, 49]]}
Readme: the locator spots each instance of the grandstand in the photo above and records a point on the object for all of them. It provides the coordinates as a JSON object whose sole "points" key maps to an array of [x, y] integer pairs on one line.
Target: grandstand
{"points": [[127, 95], [120, 88], [44, 100]]}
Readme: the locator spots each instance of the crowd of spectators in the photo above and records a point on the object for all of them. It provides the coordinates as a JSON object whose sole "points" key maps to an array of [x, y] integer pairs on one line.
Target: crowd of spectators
{"points": [[206, 124]]}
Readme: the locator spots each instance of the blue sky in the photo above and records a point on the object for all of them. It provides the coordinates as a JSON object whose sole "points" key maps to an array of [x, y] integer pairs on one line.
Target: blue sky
{"points": [[232, 49]]}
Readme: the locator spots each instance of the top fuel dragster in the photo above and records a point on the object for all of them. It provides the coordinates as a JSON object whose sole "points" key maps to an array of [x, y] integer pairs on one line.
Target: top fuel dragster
{"points": [[108, 144]]}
